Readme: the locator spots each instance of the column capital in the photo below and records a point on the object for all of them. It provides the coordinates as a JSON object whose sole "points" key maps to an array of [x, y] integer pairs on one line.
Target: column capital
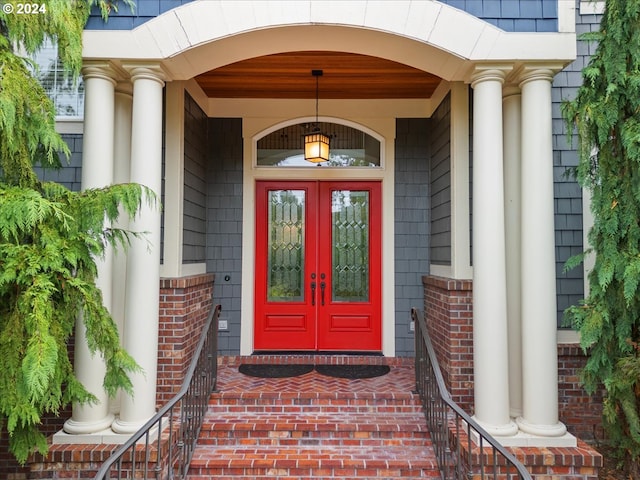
{"points": [[124, 88], [511, 90], [99, 69], [493, 72], [148, 71], [533, 72]]}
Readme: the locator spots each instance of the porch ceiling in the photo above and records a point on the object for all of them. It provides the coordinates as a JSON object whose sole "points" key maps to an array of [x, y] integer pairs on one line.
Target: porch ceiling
{"points": [[346, 75]]}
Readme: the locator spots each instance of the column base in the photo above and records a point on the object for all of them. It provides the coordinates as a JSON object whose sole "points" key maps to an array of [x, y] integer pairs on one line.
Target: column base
{"points": [[507, 430], [74, 427], [557, 430], [125, 427]]}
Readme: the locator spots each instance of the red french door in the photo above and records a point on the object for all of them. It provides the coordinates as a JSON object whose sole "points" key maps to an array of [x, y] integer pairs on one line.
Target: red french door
{"points": [[318, 266]]}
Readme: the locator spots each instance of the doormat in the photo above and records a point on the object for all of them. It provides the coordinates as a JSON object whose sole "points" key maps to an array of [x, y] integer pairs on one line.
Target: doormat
{"points": [[263, 370], [353, 372]]}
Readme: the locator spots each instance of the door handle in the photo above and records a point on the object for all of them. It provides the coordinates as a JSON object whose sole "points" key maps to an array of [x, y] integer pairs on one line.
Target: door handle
{"points": [[313, 293], [322, 285]]}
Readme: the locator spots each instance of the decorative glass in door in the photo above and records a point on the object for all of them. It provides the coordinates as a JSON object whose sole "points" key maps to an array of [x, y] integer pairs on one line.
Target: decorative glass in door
{"points": [[350, 238], [285, 280]]}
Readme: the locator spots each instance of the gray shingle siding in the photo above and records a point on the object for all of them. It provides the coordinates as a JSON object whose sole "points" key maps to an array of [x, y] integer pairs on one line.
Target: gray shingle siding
{"points": [[509, 15], [567, 193], [126, 19], [440, 181], [70, 175], [513, 15], [411, 223], [224, 224], [195, 183]]}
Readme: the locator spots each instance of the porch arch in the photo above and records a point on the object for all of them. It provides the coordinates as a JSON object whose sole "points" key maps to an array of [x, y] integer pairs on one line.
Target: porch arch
{"points": [[201, 36]]}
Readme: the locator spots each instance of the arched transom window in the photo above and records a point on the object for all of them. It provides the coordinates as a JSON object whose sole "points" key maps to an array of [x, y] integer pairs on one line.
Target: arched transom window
{"points": [[349, 147]]}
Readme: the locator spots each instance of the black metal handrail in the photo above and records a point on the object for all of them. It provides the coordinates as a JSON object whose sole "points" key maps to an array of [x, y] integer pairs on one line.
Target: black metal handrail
{"points": [[163, 447], [463, 448]]}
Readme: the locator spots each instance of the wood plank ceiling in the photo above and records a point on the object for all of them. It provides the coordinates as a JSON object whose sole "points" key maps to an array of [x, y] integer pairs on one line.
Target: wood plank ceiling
{"points": [[345, 75]]}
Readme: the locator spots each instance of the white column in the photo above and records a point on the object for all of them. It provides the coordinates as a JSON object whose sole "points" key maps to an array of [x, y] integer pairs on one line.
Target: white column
{"points": [[97, 171], [121, 174], [512, 150], [143, 260], [539, 347], [490, 353]]}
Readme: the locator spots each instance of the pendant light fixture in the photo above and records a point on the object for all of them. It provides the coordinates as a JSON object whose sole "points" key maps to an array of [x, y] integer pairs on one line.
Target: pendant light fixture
{"points": [[316, 143]]}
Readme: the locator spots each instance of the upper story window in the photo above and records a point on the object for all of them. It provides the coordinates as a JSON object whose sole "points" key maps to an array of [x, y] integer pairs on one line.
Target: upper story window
{"points": [[349, 147], [67, 96]]}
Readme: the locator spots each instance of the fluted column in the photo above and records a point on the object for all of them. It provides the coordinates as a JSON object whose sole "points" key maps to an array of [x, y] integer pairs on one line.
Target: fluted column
{"points": [[490, 352], [97, 172], [143, 260], [539, 346], [512, 158]]}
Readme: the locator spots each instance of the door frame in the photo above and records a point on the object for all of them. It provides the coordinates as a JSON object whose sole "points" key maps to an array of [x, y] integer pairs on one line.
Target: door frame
{"points": [[255, 128]]}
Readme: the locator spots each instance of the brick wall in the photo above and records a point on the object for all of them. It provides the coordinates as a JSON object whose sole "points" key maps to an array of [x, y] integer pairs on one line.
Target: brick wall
{"points": [[580, 412], [185, 304], [448, 313], [9, 468]]}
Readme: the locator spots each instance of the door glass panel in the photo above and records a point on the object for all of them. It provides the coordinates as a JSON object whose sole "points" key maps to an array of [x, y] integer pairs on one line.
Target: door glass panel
{"points": [[350, 252], [285, 273]]}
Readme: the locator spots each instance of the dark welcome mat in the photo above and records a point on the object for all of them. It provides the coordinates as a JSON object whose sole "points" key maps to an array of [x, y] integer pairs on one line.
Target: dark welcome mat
{"points": [[274, 371], [353, 371]]}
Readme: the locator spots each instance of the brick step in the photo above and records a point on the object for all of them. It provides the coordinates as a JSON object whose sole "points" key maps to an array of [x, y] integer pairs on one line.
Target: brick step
{"points": [[373, 429], [303, 462], [360, 402], [314, 426]]}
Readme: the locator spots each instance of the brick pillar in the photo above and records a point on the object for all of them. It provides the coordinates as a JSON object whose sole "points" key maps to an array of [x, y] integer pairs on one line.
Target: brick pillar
{"points": [[448, 306], [185, 303]]}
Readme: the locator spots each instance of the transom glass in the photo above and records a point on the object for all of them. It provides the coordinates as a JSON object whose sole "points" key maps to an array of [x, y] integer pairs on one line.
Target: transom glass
{"points": [[349, 147]]}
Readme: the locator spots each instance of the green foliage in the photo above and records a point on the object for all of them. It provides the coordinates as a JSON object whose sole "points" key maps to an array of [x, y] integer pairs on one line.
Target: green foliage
{"points": [[606, 113], [50, 238]]}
